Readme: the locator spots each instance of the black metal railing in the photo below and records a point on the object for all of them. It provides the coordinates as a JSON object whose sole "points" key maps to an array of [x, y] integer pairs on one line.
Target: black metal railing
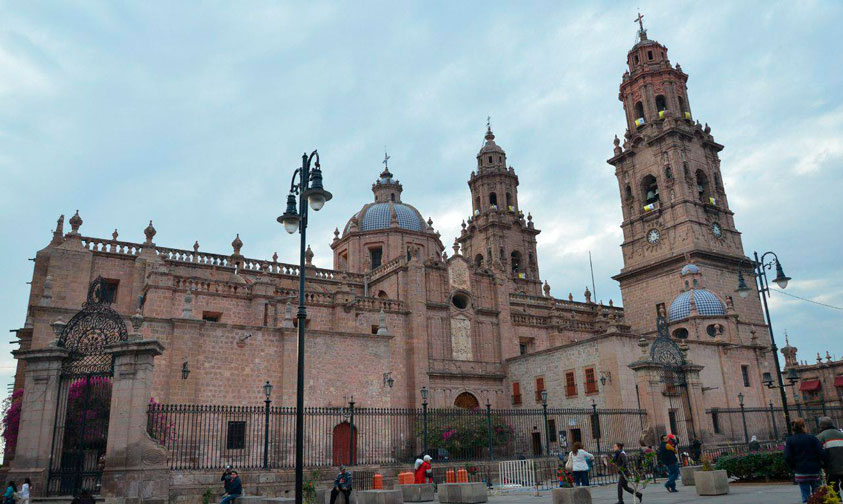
{"points": [[767, 423], [209, 437]]}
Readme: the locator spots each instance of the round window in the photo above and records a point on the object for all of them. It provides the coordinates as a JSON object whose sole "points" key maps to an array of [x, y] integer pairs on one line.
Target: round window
{"points": [[680, 333], [460, 301], [711, 330]]}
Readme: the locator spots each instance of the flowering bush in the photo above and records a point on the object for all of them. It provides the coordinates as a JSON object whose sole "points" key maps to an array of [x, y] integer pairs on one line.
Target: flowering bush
{"points": [[825, 495], [88, 408], [462, 433], [161, 428], [11, 421]]}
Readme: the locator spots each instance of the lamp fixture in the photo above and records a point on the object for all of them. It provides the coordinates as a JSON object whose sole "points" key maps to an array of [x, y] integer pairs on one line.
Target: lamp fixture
{"points": [[185, 371]]}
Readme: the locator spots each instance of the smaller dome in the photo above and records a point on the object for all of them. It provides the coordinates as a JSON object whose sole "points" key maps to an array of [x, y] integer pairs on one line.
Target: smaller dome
{"points": [[379, 215], [690, 269], [490, 146], [705, 302]]}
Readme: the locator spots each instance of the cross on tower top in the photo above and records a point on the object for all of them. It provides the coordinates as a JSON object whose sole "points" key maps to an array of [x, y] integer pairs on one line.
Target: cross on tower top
{"points": [[385, 159], [642, 33]]}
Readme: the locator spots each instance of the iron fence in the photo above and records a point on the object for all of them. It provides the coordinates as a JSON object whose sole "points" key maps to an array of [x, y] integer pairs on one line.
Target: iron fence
{"points": [[209, 437], [767, 424]]}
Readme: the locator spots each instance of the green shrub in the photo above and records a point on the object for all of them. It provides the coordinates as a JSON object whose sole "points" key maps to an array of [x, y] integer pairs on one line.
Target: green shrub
{"points": [[756, 466]]}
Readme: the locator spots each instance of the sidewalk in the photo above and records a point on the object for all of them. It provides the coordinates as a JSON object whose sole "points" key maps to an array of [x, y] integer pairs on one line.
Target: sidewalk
{"points": [[771, 493]]}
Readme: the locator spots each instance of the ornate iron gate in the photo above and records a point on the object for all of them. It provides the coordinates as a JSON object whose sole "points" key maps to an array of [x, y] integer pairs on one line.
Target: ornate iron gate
{"points": [[80, 433], [668, 354]]}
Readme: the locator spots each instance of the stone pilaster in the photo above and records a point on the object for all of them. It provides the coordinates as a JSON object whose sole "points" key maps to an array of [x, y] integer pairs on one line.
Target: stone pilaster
{"points": [[38, 415], [135, 464]]}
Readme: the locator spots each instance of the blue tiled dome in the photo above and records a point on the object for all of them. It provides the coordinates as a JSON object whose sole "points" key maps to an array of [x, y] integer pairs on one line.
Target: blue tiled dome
{"points": [[690, 269], [706, 303], [378, 216]]}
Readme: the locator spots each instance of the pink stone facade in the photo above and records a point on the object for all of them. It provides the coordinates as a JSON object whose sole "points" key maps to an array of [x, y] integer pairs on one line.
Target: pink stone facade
{"points": [[475, 318]]}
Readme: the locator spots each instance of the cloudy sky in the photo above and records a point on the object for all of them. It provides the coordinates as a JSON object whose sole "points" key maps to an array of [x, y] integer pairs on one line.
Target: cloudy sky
{"points": [[194, 114]]}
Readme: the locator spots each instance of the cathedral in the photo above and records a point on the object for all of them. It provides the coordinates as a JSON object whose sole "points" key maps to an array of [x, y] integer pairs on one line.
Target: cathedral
{"points": [[470, 323]]}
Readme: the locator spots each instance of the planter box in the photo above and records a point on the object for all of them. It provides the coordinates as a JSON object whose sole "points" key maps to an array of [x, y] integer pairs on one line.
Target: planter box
{"points": [[380, 497], [417, 492], [462, 493], [575, 495], [687, 474], [711, 482]]}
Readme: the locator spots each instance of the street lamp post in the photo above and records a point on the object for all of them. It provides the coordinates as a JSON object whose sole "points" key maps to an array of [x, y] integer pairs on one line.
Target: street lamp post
{"points": [[424, 417], [489, 428], [763, 286], [309, 187], [743, 417], [595, 423], [546, 429], [267, 390]]}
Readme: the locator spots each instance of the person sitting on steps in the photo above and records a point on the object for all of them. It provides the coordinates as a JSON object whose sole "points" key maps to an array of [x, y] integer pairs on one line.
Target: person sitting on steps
{"points": [[342, 484]]}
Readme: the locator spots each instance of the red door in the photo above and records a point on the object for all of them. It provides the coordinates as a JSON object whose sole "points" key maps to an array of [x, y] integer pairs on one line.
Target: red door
{"points": [[342, 439]]}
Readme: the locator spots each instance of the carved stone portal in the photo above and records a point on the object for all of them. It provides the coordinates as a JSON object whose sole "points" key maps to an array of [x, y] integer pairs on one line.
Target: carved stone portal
{"points": [[458, 275]]}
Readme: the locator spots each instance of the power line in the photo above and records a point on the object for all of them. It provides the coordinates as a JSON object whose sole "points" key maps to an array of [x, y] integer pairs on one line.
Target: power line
{"points": [[779, 291]]}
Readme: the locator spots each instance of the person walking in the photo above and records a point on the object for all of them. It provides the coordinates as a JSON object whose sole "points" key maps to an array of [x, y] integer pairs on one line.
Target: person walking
{"points": [[9, 494], [342, 483], [621, 461], [234, 490], [580, 464], [667, 457], [832, 440], [696, 449], [23, 494], [803, 452]]}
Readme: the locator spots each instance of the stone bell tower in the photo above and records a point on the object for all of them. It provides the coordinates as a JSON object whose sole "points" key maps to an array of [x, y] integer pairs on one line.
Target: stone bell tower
{"points": [[675, 208], [497, 236]]}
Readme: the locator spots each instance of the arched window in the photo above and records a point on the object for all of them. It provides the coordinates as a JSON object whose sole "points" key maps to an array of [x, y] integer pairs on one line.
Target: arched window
{"points": [[668, 173], [683, 109], [680, 333], [661, 103], [478, 260], [516, 261], [703, 190], [477, 203], [639, 112], [508, 200], [392, 196], [466, 400], [650, 189], [382, 294], [628, 192], [493, 199]]}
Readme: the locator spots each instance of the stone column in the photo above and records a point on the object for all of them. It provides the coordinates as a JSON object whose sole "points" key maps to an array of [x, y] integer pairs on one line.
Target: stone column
{"points": [[38, 415], [135, 464], [702, 422], [648, 379]]}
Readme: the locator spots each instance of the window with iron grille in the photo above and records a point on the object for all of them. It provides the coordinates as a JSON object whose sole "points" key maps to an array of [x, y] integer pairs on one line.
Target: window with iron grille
{"points": [[570, 384], [539, 388], [109, 290], [590, 381], [516, 393], [745, 375], [236, 439]]}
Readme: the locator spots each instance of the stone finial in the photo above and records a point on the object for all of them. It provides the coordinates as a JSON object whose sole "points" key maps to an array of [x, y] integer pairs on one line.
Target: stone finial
{"points": [[570, 296], [275, 257], [707, 129], [827, 356], [187, 310], [382, 330], [308, 256], [444, 256], [114, 235], [237, 244], [587, 295], [617, 143], [137, 322], [75, 223], [546, 289], [456, 247], [149, 232], [196, 246], [430, 222], [819, 359], [336, 234], [58, 234], [611, 303], [642, 344]]}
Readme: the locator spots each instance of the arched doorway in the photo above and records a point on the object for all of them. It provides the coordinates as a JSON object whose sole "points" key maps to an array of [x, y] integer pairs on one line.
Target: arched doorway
{"points": [[466, 400], [342, 438]]}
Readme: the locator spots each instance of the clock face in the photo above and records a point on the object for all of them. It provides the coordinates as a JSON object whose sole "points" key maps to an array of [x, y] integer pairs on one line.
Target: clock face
{"points": [[654, 236], [715, 228]]}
